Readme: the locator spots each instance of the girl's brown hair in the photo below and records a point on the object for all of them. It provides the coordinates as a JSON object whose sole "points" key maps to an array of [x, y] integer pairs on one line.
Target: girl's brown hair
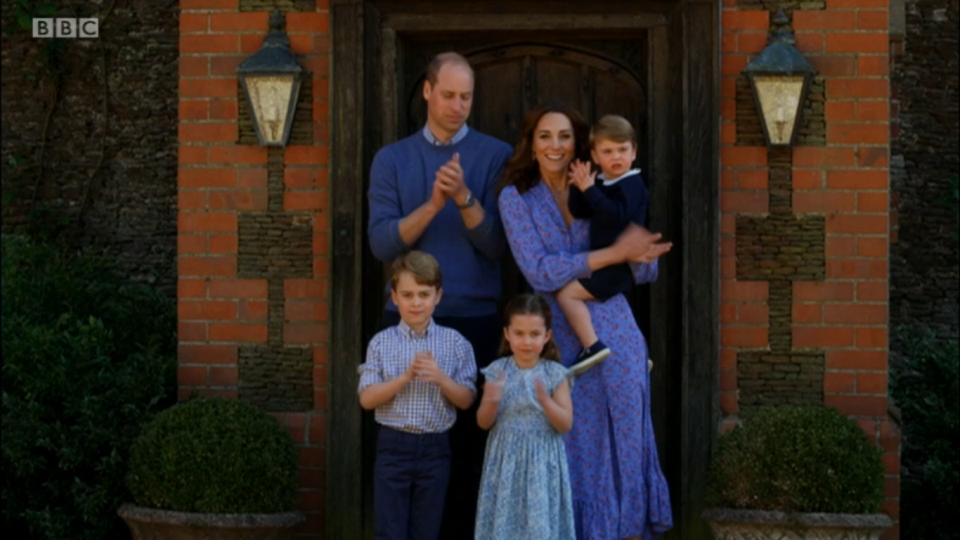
{"points": [[530, 304], [522, 170]]}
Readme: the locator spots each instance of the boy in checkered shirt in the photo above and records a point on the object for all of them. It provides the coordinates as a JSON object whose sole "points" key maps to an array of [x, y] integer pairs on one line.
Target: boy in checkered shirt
{"points": [[414, 376]]}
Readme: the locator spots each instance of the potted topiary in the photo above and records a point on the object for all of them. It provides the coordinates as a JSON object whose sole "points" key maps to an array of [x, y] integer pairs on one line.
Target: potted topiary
{"points": [[216, 469], [796, 472]]}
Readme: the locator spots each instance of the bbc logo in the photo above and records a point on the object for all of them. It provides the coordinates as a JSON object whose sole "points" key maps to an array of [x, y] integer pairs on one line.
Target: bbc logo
{"points": [[66, 28]]}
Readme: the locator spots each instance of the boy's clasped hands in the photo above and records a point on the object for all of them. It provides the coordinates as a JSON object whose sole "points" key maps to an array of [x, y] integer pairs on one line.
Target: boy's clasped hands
{"points": [[425, 368]]}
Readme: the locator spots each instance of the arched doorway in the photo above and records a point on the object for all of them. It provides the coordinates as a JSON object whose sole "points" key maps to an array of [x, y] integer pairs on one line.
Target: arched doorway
{"points": [[513, 78], [609, 56]]}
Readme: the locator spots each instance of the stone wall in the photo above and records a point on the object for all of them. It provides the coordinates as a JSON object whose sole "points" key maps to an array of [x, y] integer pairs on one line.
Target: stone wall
{"points": [[923, 257], [100, 147]]}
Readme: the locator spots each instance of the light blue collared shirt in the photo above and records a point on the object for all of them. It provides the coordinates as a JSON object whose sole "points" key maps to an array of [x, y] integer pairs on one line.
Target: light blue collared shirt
{"points": [[457, 137]]}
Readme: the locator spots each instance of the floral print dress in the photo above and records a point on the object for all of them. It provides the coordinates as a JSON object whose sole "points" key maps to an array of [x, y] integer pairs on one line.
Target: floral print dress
{"points": [[525, 490], [618, 488]]}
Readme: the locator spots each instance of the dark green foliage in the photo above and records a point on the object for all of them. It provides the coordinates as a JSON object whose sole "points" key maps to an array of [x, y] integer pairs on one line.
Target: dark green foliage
{"points": [[797, 459], [925, 384], [214, 455], [24, 11], [20, 21], [87, 359]]}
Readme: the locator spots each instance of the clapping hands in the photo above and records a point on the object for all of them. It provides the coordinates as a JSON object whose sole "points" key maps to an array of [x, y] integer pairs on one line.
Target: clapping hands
{"points": [[449, 178], [493, 390], [425, 368], [541, 391]]}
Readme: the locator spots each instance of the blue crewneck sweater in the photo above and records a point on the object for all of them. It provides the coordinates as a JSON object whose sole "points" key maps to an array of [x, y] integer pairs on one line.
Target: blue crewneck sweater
{"points": [[401, 180]]}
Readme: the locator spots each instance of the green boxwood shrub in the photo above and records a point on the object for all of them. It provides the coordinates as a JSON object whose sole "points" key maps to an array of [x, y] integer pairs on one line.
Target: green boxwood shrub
{"points": [[214, 455], [925, 384], [87, 359], [797, 459]]}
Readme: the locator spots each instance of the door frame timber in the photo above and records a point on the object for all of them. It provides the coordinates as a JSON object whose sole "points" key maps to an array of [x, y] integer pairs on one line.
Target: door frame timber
{"points": [[683, 112]]}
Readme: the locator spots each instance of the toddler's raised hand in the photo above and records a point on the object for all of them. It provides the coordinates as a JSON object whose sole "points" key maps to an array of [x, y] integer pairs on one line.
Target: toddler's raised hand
{"points": [[581, 176]]}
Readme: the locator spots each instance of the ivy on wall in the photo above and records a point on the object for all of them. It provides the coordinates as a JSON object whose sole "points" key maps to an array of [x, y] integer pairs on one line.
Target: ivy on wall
{"points": [[52, 60]]}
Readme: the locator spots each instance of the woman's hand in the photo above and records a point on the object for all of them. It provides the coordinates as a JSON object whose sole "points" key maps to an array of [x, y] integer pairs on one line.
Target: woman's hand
{"points": [[581, 176], [637, 244]]}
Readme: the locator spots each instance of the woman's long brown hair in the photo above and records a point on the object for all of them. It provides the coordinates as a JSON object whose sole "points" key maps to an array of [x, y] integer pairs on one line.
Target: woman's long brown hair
{"points": [[530, 304], [522, 170]]}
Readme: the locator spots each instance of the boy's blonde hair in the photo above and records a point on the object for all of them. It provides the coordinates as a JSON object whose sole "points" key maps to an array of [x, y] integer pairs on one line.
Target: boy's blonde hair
{"points": [[422, 266], [612, 128]]}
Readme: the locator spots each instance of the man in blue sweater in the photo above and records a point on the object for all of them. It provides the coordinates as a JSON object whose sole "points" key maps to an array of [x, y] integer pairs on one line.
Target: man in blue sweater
{"points": [[435, 191]]}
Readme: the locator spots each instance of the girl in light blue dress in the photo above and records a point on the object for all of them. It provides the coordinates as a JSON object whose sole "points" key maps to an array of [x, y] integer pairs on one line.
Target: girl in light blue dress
{"points": [[525, 491]]}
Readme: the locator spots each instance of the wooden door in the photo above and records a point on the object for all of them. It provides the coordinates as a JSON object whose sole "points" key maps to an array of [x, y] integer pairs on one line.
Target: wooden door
{"points": [[595, 76], [653, 61]]}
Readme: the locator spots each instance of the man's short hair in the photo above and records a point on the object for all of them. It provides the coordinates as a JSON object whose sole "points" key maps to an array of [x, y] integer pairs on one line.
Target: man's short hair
{"points": [[612, 128], [442, 59], [422, 266]]}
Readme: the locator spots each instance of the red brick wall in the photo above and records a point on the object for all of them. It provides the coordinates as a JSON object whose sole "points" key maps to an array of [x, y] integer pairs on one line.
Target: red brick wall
{"points": [[847, 181], [217, 179]]}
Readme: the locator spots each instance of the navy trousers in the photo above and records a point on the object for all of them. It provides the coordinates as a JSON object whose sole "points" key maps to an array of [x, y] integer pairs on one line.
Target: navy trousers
{"points": [[411, 475], [608, 282], [467, 440]]}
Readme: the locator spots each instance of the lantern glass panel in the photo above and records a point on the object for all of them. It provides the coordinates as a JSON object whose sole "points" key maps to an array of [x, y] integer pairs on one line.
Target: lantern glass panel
{"points": [[779, 99], [270, 97]]}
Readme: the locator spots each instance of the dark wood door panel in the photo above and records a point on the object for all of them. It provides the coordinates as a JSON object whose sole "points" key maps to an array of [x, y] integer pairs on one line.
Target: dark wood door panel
{"points": [[495, 90], [571, 7], [514, 77], [653, 61]]}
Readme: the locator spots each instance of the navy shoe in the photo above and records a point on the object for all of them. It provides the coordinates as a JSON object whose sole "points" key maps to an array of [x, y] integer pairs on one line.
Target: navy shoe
{"points": [[589, 357]]}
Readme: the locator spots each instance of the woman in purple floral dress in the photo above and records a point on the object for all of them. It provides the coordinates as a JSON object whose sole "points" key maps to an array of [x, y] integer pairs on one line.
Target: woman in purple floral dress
{"points": [[619, 491]]}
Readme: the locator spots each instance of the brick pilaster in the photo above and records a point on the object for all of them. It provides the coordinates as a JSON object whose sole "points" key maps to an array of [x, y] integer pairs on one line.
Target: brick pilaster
{"points": [[839, 176], [253, 228]]}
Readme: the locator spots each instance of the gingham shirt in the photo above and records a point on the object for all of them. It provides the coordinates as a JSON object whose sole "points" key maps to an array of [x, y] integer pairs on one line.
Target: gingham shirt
{"points": [[419, 407]]}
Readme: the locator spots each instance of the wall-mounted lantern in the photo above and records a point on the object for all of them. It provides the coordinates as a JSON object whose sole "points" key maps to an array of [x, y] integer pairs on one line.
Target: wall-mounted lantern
{"points": [[780, 77], [271, 84]]}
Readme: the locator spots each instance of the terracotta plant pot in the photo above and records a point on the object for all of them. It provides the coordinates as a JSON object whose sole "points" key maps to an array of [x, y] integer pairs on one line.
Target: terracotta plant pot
{"points": [[730, 524], [152, 524]]}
